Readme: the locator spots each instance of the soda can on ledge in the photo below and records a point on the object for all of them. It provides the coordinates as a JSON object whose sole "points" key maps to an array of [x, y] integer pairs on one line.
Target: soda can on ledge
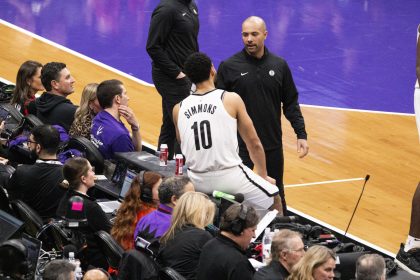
{"points": [[179, 160], [163, 157]]}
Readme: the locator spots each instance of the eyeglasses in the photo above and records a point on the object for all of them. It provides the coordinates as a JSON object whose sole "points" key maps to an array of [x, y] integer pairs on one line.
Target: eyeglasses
{"points": [[29, 141], [301, 250]]}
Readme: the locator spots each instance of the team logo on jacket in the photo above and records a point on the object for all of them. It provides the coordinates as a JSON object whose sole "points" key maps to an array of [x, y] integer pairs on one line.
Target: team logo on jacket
{"points": [[271, 73]]}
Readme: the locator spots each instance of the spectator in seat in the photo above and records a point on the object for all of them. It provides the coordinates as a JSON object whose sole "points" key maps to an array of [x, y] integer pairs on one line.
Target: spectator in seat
{"points": [[53, 107], [287, 249], [80, 178], [109, 133], [185, 238], [89, 107], [224, 256], [28, 83], [370, 267], [141, 199], [155, 224], [38, 184], [317, 264]]}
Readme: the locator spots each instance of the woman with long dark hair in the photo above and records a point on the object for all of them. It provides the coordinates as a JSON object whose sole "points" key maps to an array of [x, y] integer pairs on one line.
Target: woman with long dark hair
{"points": [[141, 199], [28, 83]]}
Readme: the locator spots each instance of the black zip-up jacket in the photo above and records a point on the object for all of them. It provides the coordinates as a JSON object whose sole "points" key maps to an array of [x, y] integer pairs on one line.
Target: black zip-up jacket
{"points": [[264, 85], [173, 35], [54, 109]]}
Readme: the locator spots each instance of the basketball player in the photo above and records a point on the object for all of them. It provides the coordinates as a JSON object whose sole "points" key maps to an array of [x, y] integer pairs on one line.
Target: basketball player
{"points": [[207, 123], [417, 87]]}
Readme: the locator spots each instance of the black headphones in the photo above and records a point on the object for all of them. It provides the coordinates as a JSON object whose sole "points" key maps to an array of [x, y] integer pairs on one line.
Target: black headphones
{"points": [[238, 224], [17, 257], [146, 194]]}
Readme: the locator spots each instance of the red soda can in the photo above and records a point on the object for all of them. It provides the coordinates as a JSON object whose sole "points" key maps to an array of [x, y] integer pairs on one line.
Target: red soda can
{"points": [[163, 157], [179, 160]]}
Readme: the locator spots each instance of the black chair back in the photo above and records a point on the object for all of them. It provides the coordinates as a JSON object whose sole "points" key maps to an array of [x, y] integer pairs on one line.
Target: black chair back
{"points": [[91, 152], [110, 248], [4, 202], [168, 273], [137, 265], [33, 222]]}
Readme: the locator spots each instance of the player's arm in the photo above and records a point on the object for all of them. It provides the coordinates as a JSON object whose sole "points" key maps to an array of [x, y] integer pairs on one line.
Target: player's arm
{"points": [[236, 108], [175, 112]]}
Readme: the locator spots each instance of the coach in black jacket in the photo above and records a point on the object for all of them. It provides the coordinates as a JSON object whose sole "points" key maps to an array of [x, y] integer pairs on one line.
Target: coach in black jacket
{"points": [[173, 35], [265, 83]]}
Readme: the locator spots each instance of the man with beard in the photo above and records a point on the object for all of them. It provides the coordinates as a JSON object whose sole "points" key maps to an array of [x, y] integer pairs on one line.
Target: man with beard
{"points": [[265, 84], [38, 185]]}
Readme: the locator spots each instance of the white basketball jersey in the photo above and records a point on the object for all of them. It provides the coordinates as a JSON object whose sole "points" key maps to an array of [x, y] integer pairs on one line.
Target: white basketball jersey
{"points": [[208, 133]]}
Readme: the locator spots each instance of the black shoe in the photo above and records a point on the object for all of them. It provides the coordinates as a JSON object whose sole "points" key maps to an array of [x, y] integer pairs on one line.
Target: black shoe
{"points": [[409, 261]]}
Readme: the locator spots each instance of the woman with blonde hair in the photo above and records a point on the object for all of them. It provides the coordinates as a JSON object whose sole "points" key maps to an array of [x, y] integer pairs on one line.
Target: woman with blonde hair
{"points": [[141, 199], [318, 263], [89, 107], [182, 243]]}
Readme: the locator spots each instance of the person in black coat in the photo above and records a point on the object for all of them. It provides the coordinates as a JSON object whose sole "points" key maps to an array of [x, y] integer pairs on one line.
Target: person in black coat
{"points": [[80, 177], [186, 236], [287, 249]]}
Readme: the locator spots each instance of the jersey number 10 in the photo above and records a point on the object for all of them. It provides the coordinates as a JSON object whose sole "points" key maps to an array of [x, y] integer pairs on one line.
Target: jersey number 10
{"points": [[202, 133]]}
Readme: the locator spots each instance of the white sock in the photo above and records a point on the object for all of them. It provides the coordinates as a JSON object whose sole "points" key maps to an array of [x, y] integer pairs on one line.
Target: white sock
{"points": [[411, 243]]}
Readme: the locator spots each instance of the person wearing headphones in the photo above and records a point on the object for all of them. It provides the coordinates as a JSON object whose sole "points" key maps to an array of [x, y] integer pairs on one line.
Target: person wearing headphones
{"points": [[156, 223], [224, 257], [141, 199]]}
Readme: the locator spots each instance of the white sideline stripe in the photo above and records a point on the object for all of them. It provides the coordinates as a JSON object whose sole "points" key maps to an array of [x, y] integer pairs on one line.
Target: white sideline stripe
{"points": [[150, 146], [76, 53], [5, 81], [351, 236], [324, 182], [152, 85]]}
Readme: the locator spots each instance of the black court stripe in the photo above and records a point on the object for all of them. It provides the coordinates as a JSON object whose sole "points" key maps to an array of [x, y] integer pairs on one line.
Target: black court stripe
{"points": [[256, 184]]}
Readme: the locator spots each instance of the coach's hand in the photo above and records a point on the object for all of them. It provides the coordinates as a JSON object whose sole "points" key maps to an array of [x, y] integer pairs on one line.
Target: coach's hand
{"points": [[302, 147]]}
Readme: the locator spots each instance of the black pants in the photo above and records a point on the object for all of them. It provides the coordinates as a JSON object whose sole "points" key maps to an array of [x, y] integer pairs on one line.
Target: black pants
{"points": [[275, 168], [172, 91]]}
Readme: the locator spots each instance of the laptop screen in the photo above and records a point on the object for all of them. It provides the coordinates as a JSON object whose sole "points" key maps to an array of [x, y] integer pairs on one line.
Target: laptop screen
{"points": [[9, 226], [33, 246], [128, 179]]}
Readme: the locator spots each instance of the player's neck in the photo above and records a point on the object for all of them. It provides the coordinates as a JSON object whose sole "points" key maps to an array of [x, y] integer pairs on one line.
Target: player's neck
{"points": [[204, 87]]}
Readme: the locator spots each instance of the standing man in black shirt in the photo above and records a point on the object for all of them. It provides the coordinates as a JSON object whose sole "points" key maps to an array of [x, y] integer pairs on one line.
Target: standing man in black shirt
{"points": [[265, 83], [173, 36]]}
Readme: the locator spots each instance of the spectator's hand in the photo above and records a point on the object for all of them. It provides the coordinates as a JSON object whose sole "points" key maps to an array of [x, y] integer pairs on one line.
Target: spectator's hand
{"points": [[1, 126], [180, 75], [3, 160], [302, 147], [128, 114]]}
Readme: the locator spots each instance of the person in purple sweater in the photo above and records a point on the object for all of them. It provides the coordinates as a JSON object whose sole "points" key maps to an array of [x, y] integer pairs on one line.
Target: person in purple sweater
{"points": [[155, 224], [109, 133]]}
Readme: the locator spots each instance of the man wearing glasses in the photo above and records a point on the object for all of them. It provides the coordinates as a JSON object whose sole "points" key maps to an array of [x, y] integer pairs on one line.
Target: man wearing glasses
{"points": [[38, 184], [286, 250]]}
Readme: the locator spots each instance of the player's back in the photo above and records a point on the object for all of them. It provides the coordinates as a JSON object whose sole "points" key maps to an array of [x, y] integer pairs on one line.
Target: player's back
{"points": [[208, 132]]}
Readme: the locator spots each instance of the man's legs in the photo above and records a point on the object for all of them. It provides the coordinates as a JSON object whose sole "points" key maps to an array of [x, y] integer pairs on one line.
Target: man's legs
{"points": [[275, 168], [172, 92]]}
